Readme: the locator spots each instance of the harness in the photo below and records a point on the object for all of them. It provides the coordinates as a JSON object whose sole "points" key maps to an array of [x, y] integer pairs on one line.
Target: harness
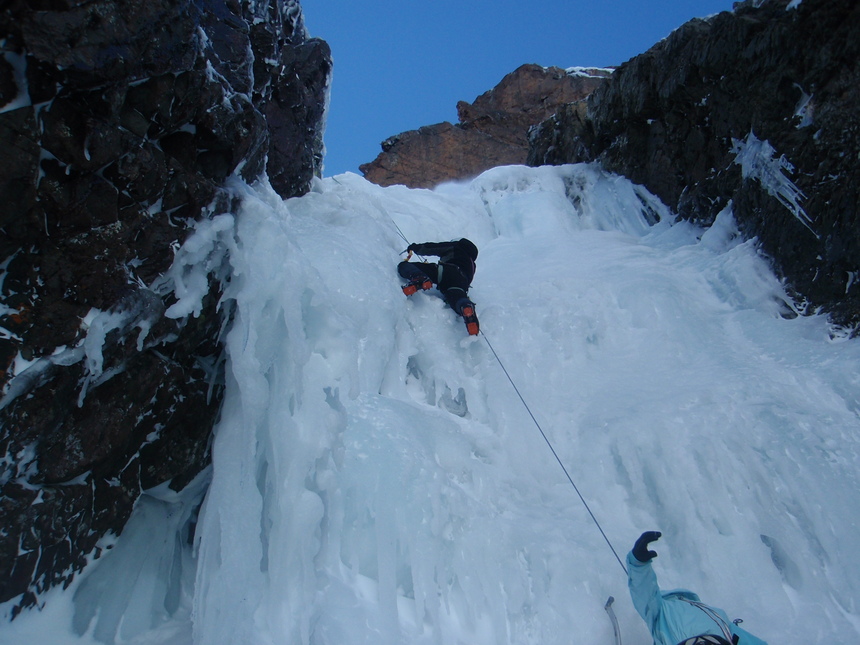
{"points": [[727, 639], [442, 265], [705, 639]]}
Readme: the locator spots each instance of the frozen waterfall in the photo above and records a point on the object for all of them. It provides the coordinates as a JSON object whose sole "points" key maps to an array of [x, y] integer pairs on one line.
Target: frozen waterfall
{"points": [[376, 480]]}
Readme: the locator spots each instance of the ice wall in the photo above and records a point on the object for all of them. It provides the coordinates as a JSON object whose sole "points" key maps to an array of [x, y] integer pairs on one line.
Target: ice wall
{"points": [[375, 478], [377, 481]]}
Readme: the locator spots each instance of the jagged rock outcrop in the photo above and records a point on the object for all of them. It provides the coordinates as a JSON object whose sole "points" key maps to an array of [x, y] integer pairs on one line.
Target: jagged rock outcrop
{"points": [[759, 107], [121, 122], [492, 131]]}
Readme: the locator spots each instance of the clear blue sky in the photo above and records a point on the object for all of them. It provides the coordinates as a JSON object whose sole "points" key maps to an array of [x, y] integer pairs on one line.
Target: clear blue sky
{"points": [[402, 64]]}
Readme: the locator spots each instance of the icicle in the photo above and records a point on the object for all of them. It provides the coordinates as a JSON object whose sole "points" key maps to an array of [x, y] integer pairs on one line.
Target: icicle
{"points": [[204, 252], [756, 159]]}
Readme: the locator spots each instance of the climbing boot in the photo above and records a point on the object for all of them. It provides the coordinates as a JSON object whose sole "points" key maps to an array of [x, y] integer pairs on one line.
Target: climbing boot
{"points": [[415, 284], [471, 319]]}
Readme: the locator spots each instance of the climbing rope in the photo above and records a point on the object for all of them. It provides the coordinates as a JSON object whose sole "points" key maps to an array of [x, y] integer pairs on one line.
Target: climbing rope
{"points": [[554, 453], [713, 615], [380, 209], [398, 229], [543, 434]]}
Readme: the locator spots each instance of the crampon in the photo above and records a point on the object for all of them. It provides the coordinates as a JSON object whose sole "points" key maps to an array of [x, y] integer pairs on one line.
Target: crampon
{"points": [[471, 319], [415, 284]]}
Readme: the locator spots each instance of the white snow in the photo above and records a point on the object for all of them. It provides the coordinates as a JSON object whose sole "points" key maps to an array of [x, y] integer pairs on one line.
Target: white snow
{"points": [[805, 109], [140, 309], [377, 480], [589, 71], [19, 65]]}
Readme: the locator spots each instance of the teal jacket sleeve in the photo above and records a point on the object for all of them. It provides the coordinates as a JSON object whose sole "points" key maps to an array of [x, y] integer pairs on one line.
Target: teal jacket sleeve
{"points": [[644, 590], [669, 618]]}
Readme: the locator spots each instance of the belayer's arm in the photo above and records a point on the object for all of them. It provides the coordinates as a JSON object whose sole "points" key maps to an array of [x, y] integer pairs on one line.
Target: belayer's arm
{"points": [[644, 590]]}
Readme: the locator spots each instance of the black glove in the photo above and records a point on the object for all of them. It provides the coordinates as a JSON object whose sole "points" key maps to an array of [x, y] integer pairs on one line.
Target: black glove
{"points": [[411, 247], [640, 549]]}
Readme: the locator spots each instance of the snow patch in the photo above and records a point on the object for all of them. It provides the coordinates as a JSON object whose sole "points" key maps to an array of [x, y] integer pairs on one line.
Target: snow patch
{"points": [[140, 309], [18, 63], [589, 72], [805, 109]]}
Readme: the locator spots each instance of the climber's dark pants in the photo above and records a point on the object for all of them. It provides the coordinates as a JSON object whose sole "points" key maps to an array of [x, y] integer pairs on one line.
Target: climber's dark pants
{"points": [[447, 278]]}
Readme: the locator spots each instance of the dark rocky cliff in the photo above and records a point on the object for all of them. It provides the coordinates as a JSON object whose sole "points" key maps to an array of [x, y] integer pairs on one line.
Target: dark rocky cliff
{"points": [[759, 107], [121, 122], [492, 131]]}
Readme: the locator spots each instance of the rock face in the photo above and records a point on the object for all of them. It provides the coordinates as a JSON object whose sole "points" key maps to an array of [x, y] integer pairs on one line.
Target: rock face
{"points": [[492, 131], [757, 107], [121, 122]]}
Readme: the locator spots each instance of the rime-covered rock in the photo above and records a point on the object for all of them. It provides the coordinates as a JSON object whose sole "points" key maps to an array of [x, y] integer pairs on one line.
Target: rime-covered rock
{"points": [[122, 122], [757, 107], [492, 131]]}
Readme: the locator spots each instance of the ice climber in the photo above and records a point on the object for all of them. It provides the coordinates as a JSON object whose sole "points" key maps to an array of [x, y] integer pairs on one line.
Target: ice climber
{"points": [[676, 617], [452, 275]]}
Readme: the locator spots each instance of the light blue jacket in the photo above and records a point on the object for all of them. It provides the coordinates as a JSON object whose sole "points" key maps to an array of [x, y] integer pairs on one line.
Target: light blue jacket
{"points": [[671, 619]]}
